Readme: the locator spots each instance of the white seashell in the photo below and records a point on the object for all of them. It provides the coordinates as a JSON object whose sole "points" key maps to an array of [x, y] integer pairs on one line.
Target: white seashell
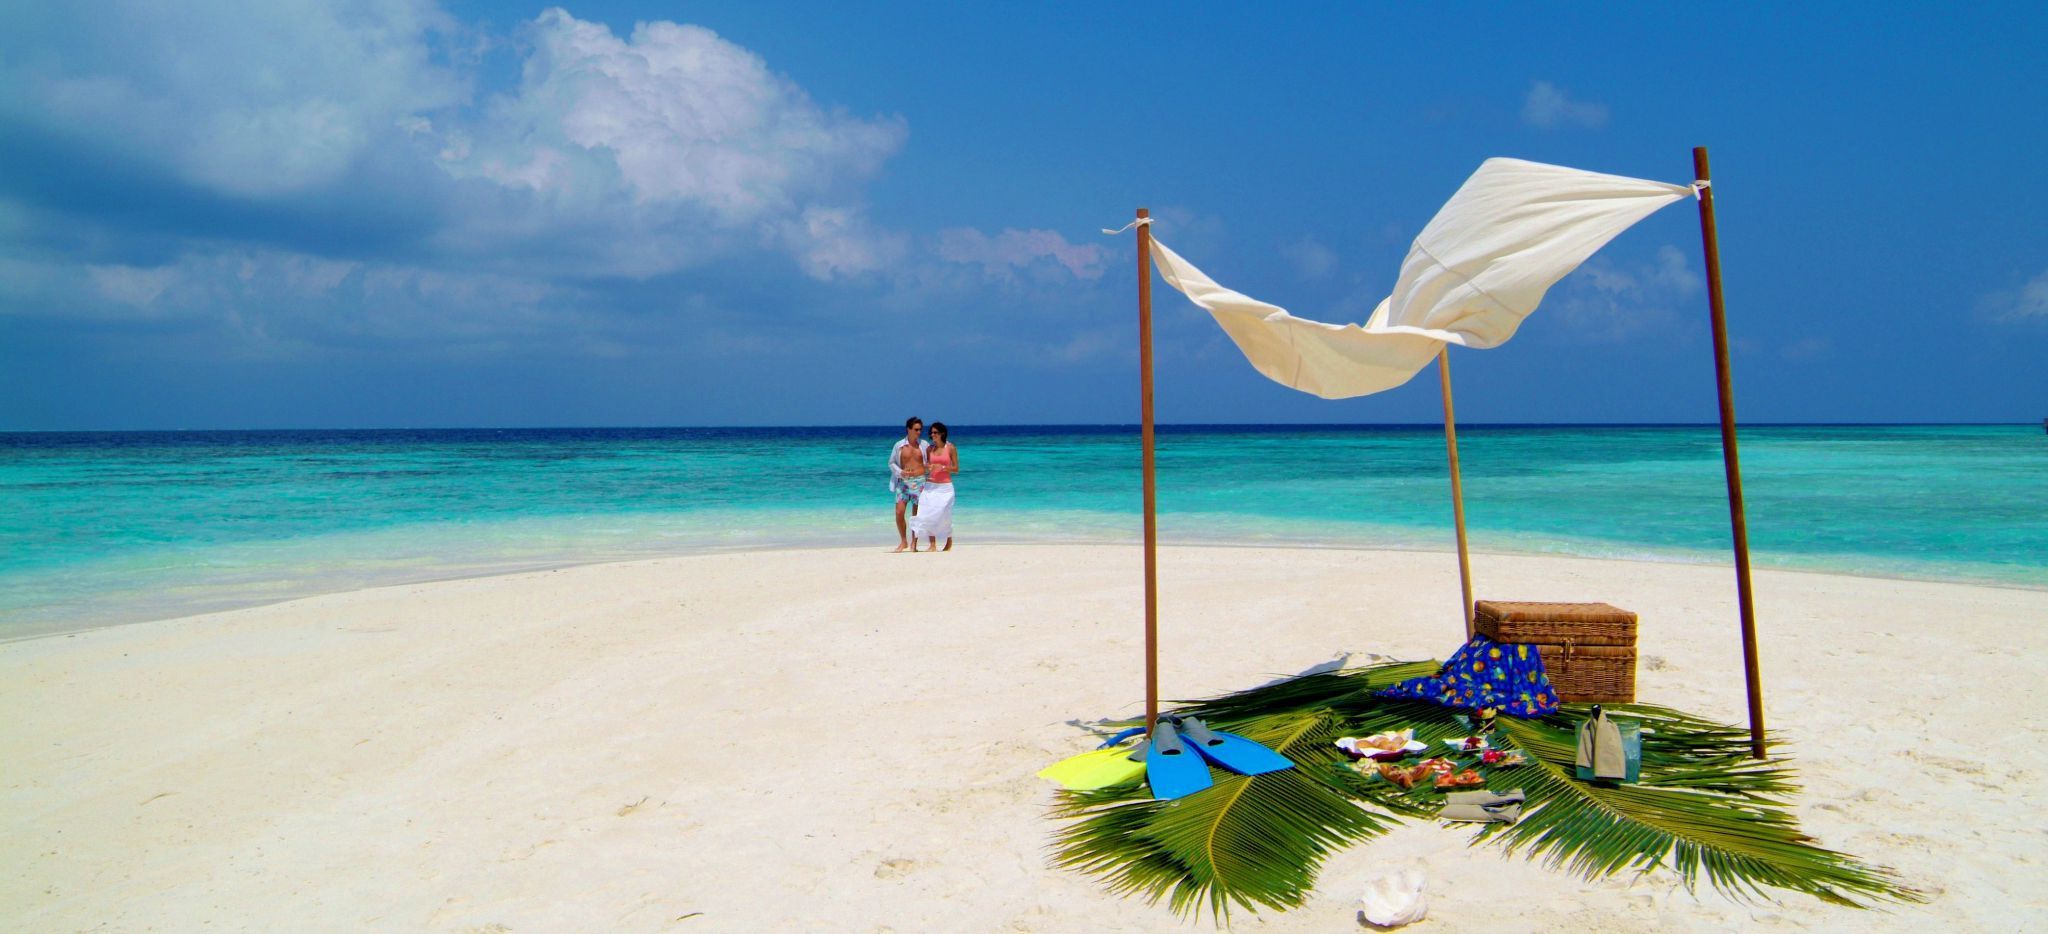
{"points": [[1395, 900]]}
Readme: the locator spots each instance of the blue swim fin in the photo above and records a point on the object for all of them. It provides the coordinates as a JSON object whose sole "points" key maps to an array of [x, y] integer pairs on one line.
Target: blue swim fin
{"points": [[1170, 767], [1232, 751]]}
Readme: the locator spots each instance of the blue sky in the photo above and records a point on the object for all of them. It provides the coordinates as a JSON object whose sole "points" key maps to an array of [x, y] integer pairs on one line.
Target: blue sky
{"points": [[403, 213]]}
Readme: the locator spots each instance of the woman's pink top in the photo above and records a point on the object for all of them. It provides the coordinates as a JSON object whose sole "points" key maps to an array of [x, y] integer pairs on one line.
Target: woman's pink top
{"points": [[940, 462]]}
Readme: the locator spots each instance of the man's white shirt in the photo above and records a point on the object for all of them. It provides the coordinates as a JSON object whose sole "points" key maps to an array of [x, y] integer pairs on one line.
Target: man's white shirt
{"points": [[896, 466]]}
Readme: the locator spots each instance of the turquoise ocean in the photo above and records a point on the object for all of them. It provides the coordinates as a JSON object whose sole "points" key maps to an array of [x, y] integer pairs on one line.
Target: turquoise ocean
{"points": [[98, 528]]}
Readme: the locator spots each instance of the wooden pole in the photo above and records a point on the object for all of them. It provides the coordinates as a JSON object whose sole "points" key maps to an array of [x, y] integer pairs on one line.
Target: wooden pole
{"points": [[1443, 369], [1145, 441], [1726, 384]]}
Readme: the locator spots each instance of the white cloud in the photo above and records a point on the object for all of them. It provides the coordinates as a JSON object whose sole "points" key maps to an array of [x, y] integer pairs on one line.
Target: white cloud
{"points": [[830, 242], [2029, 302], [1608, 301], [1010, 251], [387, 284], [524, 220], [132, 285], [276, 303], [629, 156], [675, 115], [1548, 107], [665, 149], [1310, 258], [250, 99]]}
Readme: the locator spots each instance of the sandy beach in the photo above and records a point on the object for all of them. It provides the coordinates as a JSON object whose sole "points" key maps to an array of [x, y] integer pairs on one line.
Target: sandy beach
{"points": [[846, 740]]}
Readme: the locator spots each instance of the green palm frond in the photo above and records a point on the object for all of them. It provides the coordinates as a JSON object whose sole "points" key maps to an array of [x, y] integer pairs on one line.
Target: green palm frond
{"points": [[1698, 809], [1702, 807], [1343, 691], [1245, 841]]}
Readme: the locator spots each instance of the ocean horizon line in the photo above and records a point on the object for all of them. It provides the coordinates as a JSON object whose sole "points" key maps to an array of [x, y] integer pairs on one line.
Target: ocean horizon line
{"points": [[1014, 426]]}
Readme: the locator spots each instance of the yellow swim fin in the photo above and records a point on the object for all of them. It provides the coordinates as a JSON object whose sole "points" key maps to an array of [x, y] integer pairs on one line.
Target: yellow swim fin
{"points": [[1099, 768]]}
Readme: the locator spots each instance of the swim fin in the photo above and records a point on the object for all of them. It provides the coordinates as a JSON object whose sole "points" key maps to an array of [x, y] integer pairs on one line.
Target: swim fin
{"points": [[1232, 751], [1172, 770], [1096, 768]]}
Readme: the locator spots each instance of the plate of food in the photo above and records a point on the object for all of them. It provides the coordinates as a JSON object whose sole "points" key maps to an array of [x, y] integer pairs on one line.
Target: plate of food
{"points": [[1467, 778], [1381, 746], [1467, 743], [1443, 772], [1402, 776], [1408, 776]]}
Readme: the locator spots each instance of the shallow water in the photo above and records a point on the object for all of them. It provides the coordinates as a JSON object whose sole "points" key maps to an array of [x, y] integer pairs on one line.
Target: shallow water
{"points": [[108, 527]]}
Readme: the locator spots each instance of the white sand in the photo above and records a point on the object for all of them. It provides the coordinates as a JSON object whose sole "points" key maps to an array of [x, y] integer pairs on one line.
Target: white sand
{"points": [[846, 740]]}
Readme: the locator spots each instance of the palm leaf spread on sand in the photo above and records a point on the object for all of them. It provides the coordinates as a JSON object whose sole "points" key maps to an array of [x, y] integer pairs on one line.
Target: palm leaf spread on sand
{"points": [[1253, 841], [1701, 808]]}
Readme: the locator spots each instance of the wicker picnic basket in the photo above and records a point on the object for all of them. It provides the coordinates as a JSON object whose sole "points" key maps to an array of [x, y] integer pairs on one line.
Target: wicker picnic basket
{"points": [[1588, 649]]}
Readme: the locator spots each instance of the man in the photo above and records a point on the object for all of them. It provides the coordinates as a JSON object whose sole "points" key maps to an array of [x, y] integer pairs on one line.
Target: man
{"points": [[899, 483]]}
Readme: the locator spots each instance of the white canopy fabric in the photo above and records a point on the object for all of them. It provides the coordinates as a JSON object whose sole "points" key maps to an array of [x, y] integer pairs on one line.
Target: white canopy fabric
{"points": [[1481, 265]]}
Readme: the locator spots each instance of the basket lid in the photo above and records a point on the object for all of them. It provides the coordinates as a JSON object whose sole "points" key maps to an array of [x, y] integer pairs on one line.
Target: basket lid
{"points": [[1526, 611]]}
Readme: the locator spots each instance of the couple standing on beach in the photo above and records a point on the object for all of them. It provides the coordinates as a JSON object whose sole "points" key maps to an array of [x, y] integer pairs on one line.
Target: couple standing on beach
{"points": [[921, 476]]}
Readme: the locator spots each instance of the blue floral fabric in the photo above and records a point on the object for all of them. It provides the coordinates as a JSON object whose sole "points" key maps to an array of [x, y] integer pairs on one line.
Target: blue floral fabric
{"points": [[1486, 673]]}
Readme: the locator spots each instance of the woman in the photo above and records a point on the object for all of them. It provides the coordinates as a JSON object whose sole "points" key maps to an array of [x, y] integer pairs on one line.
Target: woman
{"points": [[934, 519]]}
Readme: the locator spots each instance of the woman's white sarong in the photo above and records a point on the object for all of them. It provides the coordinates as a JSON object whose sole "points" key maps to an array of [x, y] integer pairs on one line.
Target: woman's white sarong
{"points": [[934, 519]]}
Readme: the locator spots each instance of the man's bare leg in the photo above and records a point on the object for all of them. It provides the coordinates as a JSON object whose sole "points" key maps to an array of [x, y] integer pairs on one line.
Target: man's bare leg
{"points": [[902, 528]]}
